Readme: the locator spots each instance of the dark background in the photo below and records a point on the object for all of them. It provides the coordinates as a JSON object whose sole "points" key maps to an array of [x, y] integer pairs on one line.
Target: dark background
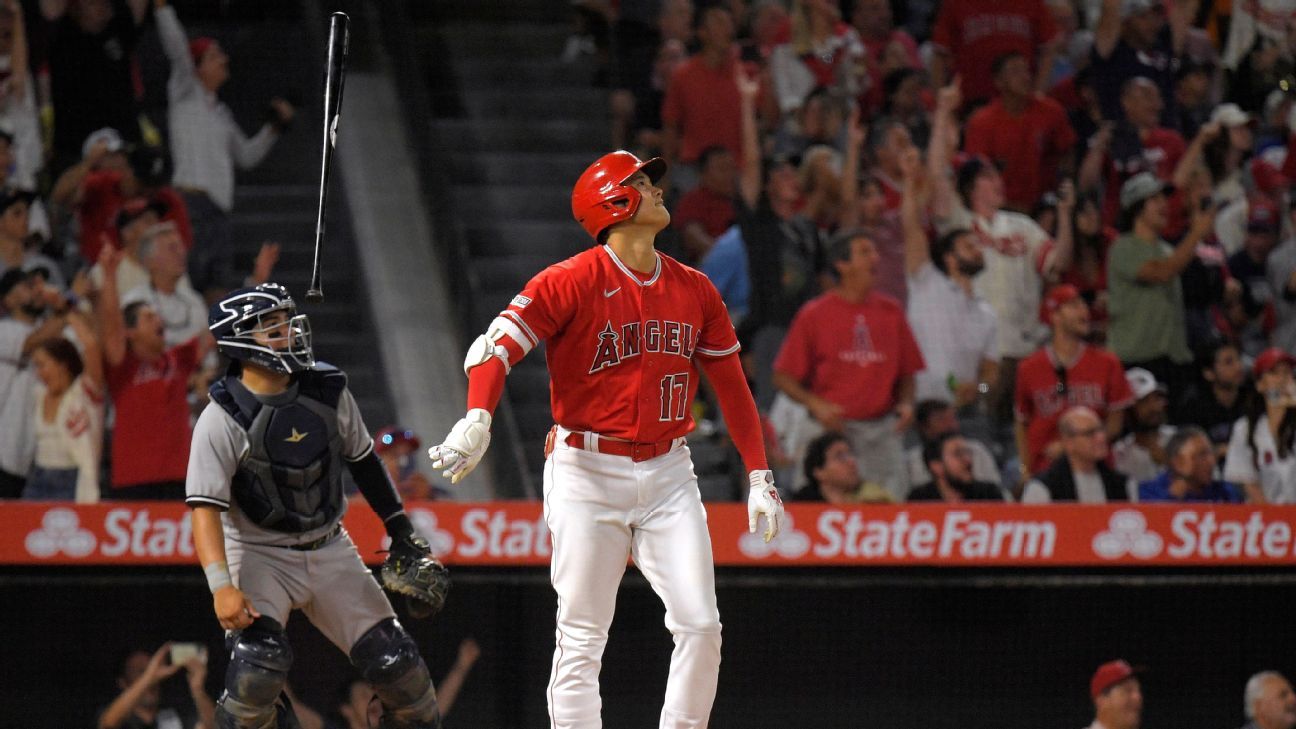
{"points": [[803, 648]]}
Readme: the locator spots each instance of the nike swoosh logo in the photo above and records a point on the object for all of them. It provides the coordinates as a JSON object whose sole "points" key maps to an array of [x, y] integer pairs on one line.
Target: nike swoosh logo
{"points": [[608, 294]]}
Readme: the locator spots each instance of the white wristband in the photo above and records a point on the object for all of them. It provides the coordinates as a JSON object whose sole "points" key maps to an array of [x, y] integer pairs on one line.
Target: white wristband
{"points": [[218, 576]]}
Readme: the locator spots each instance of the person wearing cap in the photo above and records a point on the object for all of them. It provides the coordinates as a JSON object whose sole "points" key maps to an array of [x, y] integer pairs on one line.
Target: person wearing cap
{"points": [[1269, 702], [23, 326], [1138, 141], [1222, 147], [95, 187], [398, 447], [1263, 181], [1138, 38], [1019, 256], [1215, 403], [1065, 373], [1148, 328], [1081, 473], [15, 209], [954, 326], [1262, 449], [1189, 474], [1117, 696], [1142, 452], [90, 46], [1027, 132], [207, 143]]}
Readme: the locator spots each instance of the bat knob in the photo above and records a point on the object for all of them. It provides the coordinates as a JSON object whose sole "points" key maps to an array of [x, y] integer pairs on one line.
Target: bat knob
{"points": [[314, 296]]}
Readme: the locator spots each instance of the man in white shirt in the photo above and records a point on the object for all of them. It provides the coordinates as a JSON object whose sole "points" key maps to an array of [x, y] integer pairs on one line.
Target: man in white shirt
{"points": [[184, 315], [1117, 697], [1081, 474], [20, 333], [207, 143]]}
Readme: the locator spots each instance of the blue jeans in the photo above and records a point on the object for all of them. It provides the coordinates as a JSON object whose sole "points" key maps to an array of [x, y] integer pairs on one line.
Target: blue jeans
{"points": [[51, 484]]}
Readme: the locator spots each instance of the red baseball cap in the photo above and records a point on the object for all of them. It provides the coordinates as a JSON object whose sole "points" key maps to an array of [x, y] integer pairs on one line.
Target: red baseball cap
{"points": [[1109, 674], [1268, 179], [198, 48], [1055, 298], [1269, 358]]}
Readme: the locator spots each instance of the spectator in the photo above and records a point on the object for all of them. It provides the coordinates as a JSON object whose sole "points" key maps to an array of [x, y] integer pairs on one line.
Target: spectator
{"points": [[1133, 39], [726, 266], [21, 129], [864, 205], [859, 382], [1142, 453], [819, 120], [1194, 97], [140, 702], [971, 32], [399, 450], [1088, 271], [1066, 373], [1025, 133], [136, 216], [207, 143], [907, 97], [1148, 327], [1081, 473], [1019, 255], [955, 327], [1216, 402], [888, 50], [15, 208], [1138, 143], [69, 417], [1260, 451], [707, 211], [1257, 67], [1223, 145], [92, 67], [183, 314], [832, 475], [889, 141], [1189, 472], [1249, 264], [147, 381], [1117, 697], [822, 52], [702, 106], [949, 459], [96, 188], [1074, 45], [1280, 271], [933, 419], [1269, 702], [22, 328]]}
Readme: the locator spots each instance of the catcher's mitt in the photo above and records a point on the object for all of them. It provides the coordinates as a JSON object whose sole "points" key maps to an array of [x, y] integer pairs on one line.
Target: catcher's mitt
{"points": [[412, 571]]}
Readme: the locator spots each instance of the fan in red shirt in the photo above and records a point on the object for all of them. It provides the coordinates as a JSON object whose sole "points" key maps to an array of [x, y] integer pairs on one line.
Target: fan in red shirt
{"points": [[1061, 375], [850, 359], [1027, 134], [969, 33], [702, 107], [149, 384], [707, 210]]}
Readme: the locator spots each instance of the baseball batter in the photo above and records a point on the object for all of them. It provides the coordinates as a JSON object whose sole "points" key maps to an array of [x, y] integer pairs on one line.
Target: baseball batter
{"points": [[265, 486], [628, 331]]}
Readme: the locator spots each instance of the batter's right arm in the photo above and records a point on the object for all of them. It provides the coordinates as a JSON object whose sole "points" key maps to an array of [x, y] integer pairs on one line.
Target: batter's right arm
{"points": [[233, 609]]}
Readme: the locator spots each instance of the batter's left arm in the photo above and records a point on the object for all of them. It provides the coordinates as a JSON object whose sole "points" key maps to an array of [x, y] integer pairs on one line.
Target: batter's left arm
{"points": [[740, 414]]}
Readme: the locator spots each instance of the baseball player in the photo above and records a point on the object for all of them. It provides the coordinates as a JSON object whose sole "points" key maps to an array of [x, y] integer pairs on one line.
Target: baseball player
{"points": [[628, 330], [265, 486]]}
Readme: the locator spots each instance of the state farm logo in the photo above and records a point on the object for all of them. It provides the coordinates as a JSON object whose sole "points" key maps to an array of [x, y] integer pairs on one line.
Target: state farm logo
{"points": [[789, 543], [60, 532], [1127, 533], [425, 523]]}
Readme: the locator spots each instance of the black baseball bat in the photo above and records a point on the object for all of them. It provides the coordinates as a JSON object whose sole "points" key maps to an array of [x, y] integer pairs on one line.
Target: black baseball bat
{"points": [[334, 76]]}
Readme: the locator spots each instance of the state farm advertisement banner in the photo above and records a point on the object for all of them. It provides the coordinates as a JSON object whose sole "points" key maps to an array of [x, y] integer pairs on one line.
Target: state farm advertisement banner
{"points": [[514, 534]]}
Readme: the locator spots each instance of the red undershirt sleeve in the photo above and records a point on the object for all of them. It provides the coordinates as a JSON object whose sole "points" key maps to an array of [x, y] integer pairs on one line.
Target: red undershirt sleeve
{"points": [[738, 407]]}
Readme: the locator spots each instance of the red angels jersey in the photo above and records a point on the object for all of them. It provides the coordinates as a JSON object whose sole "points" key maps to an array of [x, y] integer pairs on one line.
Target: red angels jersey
{"points": [[621, 346]]}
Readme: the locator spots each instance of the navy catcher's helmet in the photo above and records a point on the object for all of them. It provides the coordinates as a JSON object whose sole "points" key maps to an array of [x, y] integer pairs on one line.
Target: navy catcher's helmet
{"points": [[237, 319]]}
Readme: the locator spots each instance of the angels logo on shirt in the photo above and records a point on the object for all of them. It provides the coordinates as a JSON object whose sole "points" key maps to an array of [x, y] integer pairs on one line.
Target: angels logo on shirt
{"points": [[1012, 245], [863, 353], [665, 337]]}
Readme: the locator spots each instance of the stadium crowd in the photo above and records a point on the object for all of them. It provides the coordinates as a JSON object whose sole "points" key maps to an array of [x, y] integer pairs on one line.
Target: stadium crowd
{"points": [[1038, 250]]}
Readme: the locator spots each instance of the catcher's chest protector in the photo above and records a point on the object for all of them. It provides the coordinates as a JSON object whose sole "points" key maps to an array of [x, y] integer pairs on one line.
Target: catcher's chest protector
{"points": [[291, 479]]}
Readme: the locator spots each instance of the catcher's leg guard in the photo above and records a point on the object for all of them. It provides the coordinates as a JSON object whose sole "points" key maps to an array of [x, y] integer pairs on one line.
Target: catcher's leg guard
{"points": [[389, 660], [257, 672]]}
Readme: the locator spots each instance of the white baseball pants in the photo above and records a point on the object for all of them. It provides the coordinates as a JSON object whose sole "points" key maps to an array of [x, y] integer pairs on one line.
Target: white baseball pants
{"points": [[601, 509]]}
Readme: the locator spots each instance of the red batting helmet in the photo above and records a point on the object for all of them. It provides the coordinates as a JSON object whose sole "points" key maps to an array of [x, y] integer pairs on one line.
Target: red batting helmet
{"points": [[601, 197]]}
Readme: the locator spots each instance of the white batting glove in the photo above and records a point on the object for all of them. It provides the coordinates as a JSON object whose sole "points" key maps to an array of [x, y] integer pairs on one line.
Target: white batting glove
{"points": [[764, 499], [464, 446]]}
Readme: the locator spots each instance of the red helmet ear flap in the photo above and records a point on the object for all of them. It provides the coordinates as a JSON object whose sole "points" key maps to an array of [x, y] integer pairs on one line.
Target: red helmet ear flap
{"points": [[601, 198]]}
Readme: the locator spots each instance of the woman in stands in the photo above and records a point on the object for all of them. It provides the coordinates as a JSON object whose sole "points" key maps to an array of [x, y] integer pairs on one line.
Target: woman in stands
{"points": [[69, 418]]}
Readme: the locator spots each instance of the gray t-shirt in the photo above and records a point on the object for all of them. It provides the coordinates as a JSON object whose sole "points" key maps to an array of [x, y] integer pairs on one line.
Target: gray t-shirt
{"points": [[219, 447]]}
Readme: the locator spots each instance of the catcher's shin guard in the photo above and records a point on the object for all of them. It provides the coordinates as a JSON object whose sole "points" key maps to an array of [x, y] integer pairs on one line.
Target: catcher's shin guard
{"points": [[257, 672], [389, 660]]}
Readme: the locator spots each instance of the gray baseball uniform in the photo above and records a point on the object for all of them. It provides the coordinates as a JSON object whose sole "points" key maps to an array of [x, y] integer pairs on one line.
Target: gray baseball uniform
{"points": [[331, 584]]}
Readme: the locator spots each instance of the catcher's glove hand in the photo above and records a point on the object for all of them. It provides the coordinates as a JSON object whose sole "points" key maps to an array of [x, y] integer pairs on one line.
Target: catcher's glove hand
{"points": [[412, 571]]}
